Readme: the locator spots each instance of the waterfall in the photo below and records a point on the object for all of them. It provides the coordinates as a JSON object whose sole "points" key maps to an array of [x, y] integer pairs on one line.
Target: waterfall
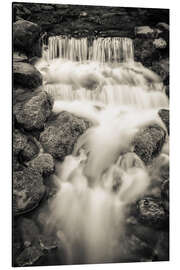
{"points": [[112, 49], [99, 81]]}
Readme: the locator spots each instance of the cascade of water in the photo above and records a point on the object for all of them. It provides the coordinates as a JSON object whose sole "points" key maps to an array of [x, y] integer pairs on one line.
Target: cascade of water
{"points": [[98, 181], [115, 49]]}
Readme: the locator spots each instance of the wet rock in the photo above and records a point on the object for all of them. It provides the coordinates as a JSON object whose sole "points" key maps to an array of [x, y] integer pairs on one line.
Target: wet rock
{"points": [[25, 36], [24, 148], [26, 75], [148, 142], [28, 190], [152, 213], [44, 163], [33, 114], [60, 134], [29, 256], [164, 114]]}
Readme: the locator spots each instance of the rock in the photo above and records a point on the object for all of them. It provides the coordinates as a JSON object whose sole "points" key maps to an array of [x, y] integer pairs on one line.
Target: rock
{"points": [[33, 114], [152, 213], [25, 37], [144, 32], [148, 142], [162, 248], [164, 115], [29, 256], [60, 134], [44, 163], [159, 43], [19, 141], [162, 69], [24, 147], [29, 232], [145, 52], [26, 75], [19, 57], [163, 26], [22, 95], [30, 150], [28, 190]]}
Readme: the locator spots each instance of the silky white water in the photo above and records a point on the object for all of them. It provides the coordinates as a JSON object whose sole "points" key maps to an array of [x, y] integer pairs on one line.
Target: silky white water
{"points": [[102, 176]]}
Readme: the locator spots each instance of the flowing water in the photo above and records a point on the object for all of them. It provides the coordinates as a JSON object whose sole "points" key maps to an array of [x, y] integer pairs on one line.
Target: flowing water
{"points": [[100, 81]]}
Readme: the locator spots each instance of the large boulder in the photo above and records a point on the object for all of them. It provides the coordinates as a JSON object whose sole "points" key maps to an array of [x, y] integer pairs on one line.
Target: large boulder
{"points": [[148, 142], [26, 37], [28, 190], [44, 163], [33, 114], [24, 149], [26, 75], [60, 134]]}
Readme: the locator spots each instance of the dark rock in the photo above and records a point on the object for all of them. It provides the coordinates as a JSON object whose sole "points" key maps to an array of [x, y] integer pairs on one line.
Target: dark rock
{"points": [[163, 26], [26, 75], [24, 147], [161, 68], [148, 142], [19, 141], [145, 52], [61, 134], [44, 163], [164, 114], [162, 248], [29, 232], [30, 150], [152, 213], [22, 95], [33, 114], [26, 37], [29, 256], [28, 190]]}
